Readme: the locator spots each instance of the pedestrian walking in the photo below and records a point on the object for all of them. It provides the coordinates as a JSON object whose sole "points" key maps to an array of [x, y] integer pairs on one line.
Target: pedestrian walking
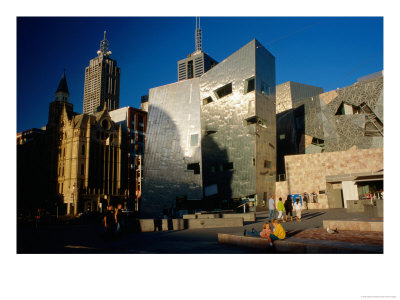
{"points": [[271, 208], [281, 209], [118, 218], [172, 212], [315, 197], [165, 212], [109, 222], [297, 208], [289, 208], [306, 198]]}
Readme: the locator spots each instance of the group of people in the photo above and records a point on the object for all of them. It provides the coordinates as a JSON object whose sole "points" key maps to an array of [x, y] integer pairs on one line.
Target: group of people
{"points": [[271, 234], [113, 220], [286, 207]]}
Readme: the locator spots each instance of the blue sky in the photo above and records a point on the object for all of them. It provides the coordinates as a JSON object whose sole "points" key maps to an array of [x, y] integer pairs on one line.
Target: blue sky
{"points": [[328, 52]]}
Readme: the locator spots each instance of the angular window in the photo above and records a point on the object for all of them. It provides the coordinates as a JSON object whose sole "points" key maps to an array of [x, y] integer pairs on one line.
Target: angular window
{"points": [[267, 164], [195, 167], [228, 166], [212, 169], [251, 120], [194, 140], [249, 85], [317, 142], [82, 169], [340, 111], [207, 100], [223, 91], [209, 132], [83, 149], [282, 136]]}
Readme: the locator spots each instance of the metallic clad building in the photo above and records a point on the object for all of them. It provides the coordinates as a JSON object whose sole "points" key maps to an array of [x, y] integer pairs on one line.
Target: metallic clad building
{"points": [[238, 129], [172, 160], [101, 81], [289, 93], [213, 137]]}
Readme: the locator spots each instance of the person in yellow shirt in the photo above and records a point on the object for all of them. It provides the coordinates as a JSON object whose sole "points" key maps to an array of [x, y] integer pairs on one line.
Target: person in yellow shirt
{"points": [[278, 233]]}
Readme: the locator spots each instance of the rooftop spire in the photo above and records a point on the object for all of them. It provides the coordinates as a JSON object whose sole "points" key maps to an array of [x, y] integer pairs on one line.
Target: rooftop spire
{"points": [[104, 47], [62, 86], [198, 36]]}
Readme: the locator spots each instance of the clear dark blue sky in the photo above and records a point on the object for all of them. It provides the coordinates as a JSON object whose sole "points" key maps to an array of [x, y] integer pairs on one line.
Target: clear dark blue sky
{"points": [[328, 52]]}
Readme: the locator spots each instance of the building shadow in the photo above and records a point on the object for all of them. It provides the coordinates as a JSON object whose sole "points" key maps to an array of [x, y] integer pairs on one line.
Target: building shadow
{"points": [[217, 174], [290, 135]]}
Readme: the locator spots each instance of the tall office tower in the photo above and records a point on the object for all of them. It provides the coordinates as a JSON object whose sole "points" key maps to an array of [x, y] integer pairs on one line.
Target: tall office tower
{"points": [[196, 63], [101, 81]]}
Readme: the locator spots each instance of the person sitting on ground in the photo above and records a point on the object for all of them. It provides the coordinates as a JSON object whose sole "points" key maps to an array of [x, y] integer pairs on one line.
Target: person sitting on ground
{"points": [[278, 233], [264, 233]]}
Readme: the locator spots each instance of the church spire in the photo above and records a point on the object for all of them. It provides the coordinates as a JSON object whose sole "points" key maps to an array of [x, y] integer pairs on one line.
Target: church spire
{"points": [[62, 93]]}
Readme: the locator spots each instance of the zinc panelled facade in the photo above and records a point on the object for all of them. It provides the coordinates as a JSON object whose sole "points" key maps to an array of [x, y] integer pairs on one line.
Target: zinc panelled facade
{"points": [[232, 108], [172, 151]]}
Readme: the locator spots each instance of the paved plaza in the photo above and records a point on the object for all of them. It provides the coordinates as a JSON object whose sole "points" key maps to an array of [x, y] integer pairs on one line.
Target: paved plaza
{"points": [[88, 238]]}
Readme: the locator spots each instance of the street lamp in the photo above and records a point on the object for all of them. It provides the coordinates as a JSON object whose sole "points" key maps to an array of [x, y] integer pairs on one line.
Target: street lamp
{"points": [[73, 199]]}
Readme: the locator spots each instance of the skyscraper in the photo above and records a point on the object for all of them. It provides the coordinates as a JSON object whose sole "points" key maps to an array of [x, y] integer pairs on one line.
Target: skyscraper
{"points": [[196, 63], [101, 81]]}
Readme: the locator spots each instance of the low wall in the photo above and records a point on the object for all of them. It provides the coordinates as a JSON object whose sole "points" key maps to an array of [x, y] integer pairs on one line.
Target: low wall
{"points": [[354, 225], [356, 205], [374, 210], [151, 225], [247, 217], [189, 217], [214, 223]]}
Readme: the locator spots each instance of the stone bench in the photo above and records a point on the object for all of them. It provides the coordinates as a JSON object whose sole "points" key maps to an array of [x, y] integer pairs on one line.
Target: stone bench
{"points": [[244, 241], [298, 245]]}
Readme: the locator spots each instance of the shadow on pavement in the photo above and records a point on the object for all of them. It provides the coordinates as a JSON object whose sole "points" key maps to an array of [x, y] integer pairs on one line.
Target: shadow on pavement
{"points": [[307, 215]]}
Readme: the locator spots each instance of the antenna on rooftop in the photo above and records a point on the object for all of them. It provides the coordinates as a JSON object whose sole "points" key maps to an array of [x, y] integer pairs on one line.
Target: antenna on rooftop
{"points": [[104, 46], [198, 36]]}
